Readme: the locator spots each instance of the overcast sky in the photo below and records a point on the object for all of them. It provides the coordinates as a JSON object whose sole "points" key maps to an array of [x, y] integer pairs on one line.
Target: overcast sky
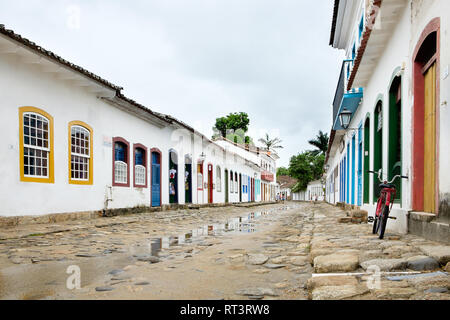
{"points": [[201, 59]]}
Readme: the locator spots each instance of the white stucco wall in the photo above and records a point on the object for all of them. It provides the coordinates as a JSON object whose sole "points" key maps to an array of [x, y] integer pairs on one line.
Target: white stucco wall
{"points": [[28, 85], [399, 53]]}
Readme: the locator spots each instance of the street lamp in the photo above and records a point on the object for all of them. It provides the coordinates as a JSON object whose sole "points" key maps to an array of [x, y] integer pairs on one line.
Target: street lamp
{"points": [[344, 118]]}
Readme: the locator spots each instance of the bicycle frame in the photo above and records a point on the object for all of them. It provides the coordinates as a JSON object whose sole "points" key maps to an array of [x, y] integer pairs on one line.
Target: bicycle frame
{"points": [[387, 196]]}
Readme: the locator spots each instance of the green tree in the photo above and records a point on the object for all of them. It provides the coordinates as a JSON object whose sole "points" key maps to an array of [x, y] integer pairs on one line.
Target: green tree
{"points": [[271, 144], [233, 127], [306, 167], [320, 142], [282, 171]]}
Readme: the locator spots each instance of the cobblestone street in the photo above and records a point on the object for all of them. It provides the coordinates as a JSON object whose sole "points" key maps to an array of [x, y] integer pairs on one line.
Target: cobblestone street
{"points": [[281, 251]]}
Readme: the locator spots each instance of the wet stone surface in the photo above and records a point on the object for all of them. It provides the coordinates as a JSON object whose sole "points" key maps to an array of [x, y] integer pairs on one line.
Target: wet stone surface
{"points": [[284, 251]]}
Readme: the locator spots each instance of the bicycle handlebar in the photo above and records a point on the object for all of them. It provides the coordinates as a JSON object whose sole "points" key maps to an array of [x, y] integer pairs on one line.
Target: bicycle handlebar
{"points": [[393, 179]]}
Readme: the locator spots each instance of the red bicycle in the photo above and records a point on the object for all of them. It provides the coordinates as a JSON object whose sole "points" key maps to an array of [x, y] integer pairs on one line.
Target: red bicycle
{"points": [[384, 204]]}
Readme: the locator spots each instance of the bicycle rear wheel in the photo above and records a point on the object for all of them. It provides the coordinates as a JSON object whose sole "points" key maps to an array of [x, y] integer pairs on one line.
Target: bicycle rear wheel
{"points": [[383, 222]]}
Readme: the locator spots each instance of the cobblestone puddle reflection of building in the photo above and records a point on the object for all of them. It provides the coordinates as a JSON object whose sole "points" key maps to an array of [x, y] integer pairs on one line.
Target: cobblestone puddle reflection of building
{"points": [[242, 224]]}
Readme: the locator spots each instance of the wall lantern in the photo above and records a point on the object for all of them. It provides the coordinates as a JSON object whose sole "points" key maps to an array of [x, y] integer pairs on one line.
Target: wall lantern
{"points": [[344, 118]]}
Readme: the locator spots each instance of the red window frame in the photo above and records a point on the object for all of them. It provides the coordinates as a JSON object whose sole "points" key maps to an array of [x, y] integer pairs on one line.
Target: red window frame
{"points": [[127, 161], [145, 165]]}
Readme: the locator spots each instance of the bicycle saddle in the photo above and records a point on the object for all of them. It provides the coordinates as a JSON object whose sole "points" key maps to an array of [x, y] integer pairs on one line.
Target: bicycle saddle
{"points": [[387, 185]]}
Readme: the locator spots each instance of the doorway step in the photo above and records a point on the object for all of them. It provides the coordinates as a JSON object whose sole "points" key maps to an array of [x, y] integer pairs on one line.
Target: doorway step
{"points": [[427, 225]]}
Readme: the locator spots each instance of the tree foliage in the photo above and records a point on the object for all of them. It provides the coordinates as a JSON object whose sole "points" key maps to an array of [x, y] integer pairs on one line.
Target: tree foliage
{"points": [[233, 127], [308, 166], [282, 171], [271, 144], [320, 142]]}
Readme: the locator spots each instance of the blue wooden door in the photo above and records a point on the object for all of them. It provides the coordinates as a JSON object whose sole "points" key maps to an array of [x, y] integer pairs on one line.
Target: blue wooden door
{"points": [[248, 193], [156, 180], [360, 157], [353, 188]]}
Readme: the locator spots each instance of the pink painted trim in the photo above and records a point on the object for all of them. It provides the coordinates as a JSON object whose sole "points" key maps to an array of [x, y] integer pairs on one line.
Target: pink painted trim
{"points": [[127, 160], [140, 146]]}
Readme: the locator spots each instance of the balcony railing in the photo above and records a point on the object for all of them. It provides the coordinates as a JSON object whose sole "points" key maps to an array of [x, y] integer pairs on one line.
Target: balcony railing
{"points": [[267, 176]]}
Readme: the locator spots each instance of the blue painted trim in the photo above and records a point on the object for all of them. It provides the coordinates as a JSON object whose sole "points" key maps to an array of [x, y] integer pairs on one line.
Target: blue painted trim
{"points": [[351, 102], [353, 169]]}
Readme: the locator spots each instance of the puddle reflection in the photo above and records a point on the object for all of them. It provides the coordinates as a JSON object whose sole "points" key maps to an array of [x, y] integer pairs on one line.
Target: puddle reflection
{"points": [[245, 224]]}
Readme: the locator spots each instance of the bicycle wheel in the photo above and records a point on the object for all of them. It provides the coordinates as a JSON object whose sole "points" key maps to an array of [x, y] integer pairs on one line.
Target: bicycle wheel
{"points": [[383, 222], [375, 221]]}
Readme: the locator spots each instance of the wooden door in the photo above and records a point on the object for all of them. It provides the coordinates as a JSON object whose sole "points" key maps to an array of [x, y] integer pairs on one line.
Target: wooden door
{"points": [[188, 182], [430, 140], [156, 180], [210, 184]]}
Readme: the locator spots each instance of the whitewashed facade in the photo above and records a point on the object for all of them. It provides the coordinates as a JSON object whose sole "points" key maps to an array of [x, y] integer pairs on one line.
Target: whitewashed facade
{"points": [[73, 143], [387, 44]]}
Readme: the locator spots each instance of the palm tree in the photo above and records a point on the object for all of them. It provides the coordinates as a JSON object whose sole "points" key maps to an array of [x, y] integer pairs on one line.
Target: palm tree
{"points": [[320, 142], [271, 144]]}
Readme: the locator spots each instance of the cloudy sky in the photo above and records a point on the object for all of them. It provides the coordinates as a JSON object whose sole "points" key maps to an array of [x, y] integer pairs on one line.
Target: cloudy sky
{"points": [[201, 59]]}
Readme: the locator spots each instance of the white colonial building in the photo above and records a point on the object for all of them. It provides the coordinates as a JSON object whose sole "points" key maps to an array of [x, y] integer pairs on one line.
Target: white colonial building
{"points": [[74, 143], [395, 85], [266, 186]]}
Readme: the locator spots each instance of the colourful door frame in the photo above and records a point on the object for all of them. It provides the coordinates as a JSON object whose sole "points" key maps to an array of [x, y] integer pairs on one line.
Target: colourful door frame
{"points": [[240, 187], [367, 160], [353, 173], [248, 192], [378, 148], [210, 183], [426, 54], [155, 189], [395, 135], [253, 190], [226, 186], [173, 177], [188, 179], [200, 185], [360, 165], [347, 198]]}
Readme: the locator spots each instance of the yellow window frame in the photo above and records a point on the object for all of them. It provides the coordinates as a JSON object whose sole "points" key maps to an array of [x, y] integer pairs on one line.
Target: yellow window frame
{"points": [[91, 158], [51, 168]]}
